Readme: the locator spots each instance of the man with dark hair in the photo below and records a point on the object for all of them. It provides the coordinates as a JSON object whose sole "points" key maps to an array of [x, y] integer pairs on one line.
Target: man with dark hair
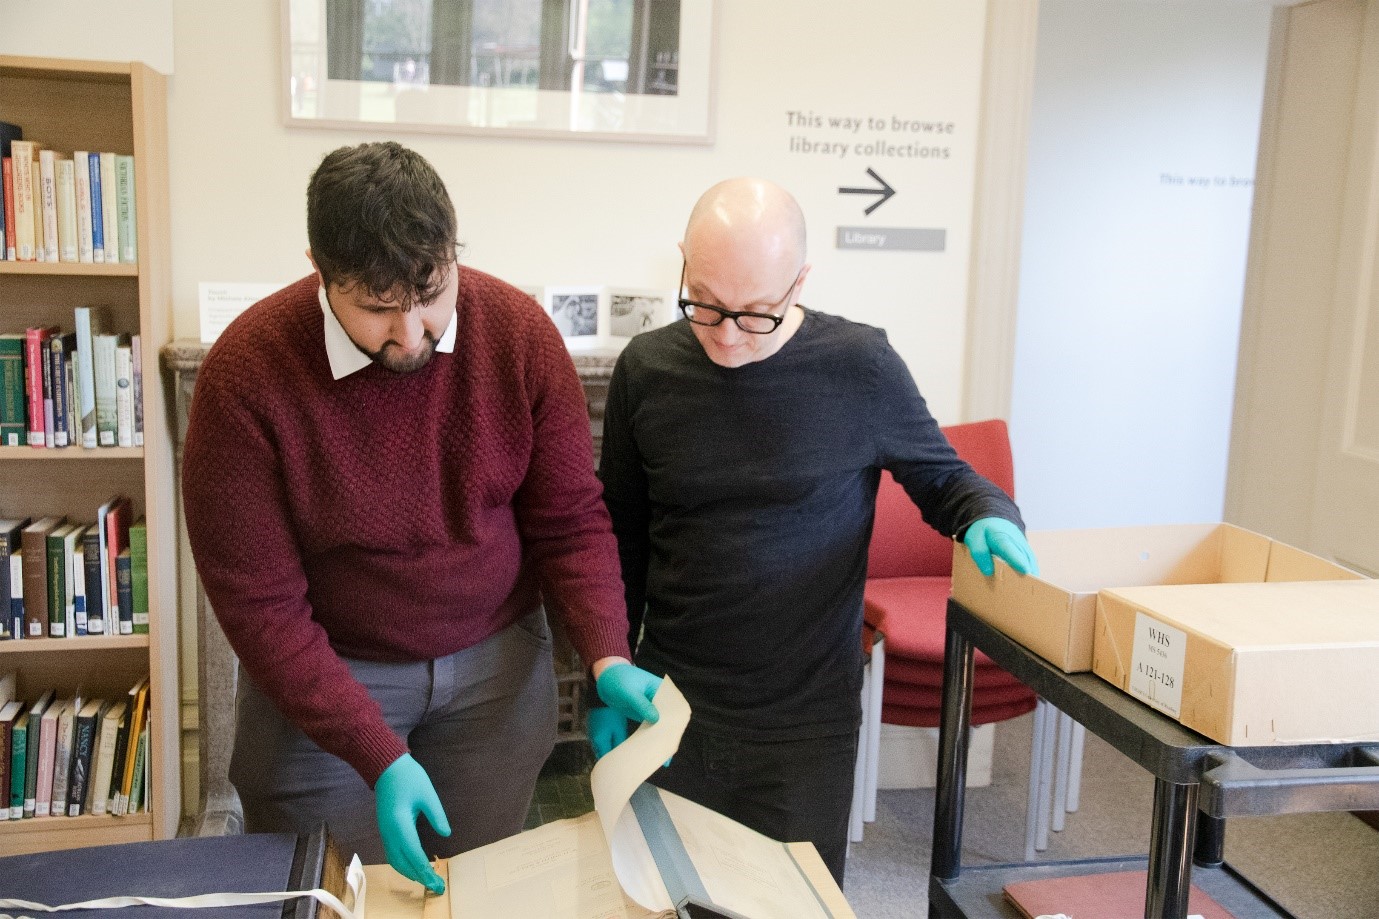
{"points": [[386, 461], [742, 451]]}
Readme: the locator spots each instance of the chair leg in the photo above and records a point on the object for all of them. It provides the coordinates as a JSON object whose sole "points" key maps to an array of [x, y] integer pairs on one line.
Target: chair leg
{"points": [[1036, 760], [1075, 766], [872, 715], [1041, 841], [859, 771], [1061, 764]]}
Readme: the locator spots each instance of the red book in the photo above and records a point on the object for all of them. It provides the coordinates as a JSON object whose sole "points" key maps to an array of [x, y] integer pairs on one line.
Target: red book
{"points": [[117, 521], [7, 176], [35, 356], [1099, 896]]}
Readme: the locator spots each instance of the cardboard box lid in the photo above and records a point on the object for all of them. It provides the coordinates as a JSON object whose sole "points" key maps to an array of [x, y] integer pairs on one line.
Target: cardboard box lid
{"points": [[1269, 616]]}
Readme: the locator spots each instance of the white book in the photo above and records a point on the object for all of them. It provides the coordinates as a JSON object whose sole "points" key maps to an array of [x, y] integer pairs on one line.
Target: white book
{"points": [[22, 154], [103, 762], [68, 249], [47, 177], [81, 161], [62, 759], [136, 347], [95, 609], [109, 219], [76, 578], [89, 321], [103, 360], [124, 396]]}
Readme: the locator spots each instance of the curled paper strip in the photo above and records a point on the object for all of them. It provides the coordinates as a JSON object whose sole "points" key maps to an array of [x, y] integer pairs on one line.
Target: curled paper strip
{"points": [[354, 881]]}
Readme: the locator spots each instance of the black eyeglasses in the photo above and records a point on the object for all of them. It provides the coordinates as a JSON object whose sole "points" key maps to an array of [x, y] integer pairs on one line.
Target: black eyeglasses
{"points": [[747, 320]]}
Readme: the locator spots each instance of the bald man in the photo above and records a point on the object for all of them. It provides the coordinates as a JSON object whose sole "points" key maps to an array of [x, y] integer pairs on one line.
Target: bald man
{"points": [[742, 452]]}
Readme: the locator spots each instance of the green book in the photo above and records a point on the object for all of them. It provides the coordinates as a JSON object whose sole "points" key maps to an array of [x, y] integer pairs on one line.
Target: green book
{"points": [[19, 745], [14, 430], [138, 556], [140, 759], [57, 581], [33, 742], [124, 208]]}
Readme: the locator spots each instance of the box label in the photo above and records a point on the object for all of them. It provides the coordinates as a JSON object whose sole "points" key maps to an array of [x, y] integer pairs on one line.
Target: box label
{"points": [[1156, 666]]}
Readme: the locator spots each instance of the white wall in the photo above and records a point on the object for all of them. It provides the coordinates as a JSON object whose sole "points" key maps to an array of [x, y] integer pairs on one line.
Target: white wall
{"points": [[123, 30], [551, 212], [1131, 284]]}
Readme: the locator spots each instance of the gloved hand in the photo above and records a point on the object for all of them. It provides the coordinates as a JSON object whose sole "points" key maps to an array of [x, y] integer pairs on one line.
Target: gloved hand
{"points": [[627, 690], [999, 537], [607, 729], [403, 791]]}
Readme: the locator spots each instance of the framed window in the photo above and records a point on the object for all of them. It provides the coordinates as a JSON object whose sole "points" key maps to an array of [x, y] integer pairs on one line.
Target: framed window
{"points": [[602, 69]]}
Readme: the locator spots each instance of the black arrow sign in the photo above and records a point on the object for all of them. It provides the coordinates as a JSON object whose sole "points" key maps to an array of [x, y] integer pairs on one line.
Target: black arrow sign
{"points": [[885, 191]]}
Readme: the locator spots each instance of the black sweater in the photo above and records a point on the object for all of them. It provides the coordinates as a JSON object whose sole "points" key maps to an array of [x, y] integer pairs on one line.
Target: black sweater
{"points": [[743, 500]]}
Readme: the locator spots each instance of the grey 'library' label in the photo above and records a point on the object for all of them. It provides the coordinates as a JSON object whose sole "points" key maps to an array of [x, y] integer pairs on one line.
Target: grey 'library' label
{"points": [[910, 239]]}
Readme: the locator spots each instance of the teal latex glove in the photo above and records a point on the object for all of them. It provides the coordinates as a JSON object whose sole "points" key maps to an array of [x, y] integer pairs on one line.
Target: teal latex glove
{"points": [[403, 791], [627, 690], [607, 729], [999, 537]]}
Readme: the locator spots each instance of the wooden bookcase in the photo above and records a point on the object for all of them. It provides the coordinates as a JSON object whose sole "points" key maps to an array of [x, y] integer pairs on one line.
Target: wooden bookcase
{"points": [[79, 105]]}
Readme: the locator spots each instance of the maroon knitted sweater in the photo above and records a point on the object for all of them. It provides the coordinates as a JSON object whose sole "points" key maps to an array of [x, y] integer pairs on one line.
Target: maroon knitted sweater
{"points": [[392, 517]]}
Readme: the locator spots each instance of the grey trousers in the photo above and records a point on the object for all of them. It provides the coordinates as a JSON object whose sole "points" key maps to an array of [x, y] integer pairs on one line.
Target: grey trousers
{"points": [[481, 722]]}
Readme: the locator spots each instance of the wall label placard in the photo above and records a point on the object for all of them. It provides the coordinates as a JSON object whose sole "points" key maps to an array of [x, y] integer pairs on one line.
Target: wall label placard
{"points": [[839, 136], [894, 239]]}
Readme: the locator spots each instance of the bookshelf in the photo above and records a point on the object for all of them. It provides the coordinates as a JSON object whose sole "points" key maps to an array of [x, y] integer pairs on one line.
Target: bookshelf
{"points": [[71, 105]]}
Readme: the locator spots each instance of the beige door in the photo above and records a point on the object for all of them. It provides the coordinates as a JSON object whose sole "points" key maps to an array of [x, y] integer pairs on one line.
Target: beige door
{"points": [[1304, 461]]}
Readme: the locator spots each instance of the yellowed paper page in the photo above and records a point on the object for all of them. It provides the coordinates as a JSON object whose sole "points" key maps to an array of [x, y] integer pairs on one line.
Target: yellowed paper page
{"points": [[618, 775]]}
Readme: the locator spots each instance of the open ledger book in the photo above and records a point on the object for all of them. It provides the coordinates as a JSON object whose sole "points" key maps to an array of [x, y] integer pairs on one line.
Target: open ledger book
{"points": [[642, 853]]}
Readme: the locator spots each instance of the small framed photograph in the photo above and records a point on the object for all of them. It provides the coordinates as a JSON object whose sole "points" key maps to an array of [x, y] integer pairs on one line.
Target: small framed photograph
{"points": [[580, 313], [632, 311]]}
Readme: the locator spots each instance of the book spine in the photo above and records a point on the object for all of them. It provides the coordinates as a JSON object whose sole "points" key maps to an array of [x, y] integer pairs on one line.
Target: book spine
{"points": [[40, 251], [82, 748], [35, 547], [136, 788], [47, 173], [22, 157], [117, 763], [62, 761], [17, 593], [86, 380], [69, 380], [124, 587], [7, 177], [5, 170], [57, 372], [103, 356], [49, 434], [35, 743], [138, 558], [91, 561], [124, 197], [13, 397], [33, 383], [108, 208], [81, 171], [57, 587], [93, 193], [69, 249], [76, 578], [47, 749], [136, 352], [124, 396], [6, 739], [9, 623], [18, 766]]}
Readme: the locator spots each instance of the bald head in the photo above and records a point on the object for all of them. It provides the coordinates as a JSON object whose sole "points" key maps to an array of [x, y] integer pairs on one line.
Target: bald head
{"points": [[748, 214]]}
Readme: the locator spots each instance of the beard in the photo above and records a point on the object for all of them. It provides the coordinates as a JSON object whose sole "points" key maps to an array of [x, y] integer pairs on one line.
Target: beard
{"points": [[392, 357]]}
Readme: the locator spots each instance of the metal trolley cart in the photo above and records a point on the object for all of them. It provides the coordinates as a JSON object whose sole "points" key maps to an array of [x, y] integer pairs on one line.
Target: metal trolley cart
{"points": [[1198, 783]]}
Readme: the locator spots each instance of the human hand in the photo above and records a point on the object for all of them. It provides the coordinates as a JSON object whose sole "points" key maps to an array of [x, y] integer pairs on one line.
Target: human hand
{"points": [[403, 791], [999, 537], [628, 690], [607, 728]]}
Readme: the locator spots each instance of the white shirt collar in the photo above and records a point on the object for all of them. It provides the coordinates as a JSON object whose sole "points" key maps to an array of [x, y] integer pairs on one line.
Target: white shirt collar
{"points": [[345, 358]]}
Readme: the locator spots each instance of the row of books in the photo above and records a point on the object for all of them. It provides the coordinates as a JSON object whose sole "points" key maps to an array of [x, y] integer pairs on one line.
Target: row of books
{"points": [[66, 580], [65, 209], [60, 389], [73, 756]]}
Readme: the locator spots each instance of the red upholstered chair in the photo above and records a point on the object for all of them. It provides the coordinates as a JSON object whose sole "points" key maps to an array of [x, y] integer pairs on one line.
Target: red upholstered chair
{"points": [[908, 584]]}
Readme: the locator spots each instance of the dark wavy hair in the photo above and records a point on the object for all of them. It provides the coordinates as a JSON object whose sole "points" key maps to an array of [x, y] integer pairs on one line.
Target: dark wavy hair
{"points": [[378, 215]]}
